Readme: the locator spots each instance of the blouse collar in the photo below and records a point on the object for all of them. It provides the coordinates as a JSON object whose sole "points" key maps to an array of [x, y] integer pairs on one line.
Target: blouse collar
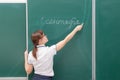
{"points": [[40, 45]]}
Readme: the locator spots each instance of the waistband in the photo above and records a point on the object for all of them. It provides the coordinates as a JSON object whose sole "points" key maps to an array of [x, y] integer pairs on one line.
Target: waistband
{"points": [[42, 76]]}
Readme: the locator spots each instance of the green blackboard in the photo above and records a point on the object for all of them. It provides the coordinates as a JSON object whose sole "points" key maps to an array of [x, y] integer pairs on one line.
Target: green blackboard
{"points": [[108, 40], [12, 39], [57, 18]]}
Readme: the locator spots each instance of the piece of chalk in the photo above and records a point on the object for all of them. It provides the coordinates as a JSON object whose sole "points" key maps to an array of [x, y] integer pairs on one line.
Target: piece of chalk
{"points": [[82, 24]]}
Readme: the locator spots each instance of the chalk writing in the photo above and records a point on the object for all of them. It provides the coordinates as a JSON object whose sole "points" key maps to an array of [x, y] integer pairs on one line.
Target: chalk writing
{"points": [[59, 21]]}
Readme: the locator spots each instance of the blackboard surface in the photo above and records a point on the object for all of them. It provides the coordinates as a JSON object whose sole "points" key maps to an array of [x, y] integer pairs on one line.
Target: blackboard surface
{"points": [[12, 39], [57, 18], [108, 40]]}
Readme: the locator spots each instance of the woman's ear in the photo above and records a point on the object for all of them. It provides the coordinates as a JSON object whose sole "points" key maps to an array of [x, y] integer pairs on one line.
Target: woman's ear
{"points": [[40, 41]]}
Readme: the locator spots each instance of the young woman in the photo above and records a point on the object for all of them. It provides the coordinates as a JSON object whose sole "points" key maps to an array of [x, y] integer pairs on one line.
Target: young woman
{"points": [[41, 57]]}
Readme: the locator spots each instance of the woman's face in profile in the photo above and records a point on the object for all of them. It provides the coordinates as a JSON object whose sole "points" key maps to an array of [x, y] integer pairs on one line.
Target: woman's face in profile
{"points": [[44, 39]]}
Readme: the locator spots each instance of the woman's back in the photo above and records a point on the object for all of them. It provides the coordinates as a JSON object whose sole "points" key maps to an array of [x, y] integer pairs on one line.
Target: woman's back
{"points": [[44, 63]]}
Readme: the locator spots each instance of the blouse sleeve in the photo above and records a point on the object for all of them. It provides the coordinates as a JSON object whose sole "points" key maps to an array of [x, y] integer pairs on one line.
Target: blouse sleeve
{"points": [[53, 49], [30, 58]]}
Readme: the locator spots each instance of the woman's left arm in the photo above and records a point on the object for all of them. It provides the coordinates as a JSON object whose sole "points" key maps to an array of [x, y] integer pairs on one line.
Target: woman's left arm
{"points": [[28, 67]]}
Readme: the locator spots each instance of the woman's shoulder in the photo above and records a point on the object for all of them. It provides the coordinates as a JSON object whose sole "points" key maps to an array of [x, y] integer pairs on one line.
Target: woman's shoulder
{"points": [[30, 53], [53, 46]]}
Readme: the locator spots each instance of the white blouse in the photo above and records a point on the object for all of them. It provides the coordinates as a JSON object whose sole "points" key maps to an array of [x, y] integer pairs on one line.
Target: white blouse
{"points": [[44, 63]]}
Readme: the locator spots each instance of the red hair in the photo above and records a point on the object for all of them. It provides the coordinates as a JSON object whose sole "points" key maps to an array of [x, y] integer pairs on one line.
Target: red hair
{"points": [[35, 37]]}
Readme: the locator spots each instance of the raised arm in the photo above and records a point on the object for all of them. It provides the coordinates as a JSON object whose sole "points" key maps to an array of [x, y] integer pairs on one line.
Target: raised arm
{"points": [[62, 43]]}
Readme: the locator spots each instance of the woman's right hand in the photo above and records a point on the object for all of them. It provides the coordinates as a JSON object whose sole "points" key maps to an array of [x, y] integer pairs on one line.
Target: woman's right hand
{"points": [[79, 27]]}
